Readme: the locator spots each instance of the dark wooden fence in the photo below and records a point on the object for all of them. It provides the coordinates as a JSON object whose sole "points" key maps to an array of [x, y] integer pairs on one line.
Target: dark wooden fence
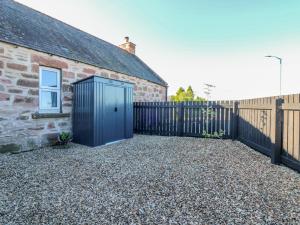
{"points": [[270, 125], [255, 123], [195, 119]]}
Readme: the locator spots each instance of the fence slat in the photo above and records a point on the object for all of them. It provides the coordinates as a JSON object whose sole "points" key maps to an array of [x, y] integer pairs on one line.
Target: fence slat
{"points": [[166, 118], [296, 129]]}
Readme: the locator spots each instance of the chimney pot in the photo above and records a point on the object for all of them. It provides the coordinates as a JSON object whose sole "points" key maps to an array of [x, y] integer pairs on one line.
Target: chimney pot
{"points": [[128, 46]]}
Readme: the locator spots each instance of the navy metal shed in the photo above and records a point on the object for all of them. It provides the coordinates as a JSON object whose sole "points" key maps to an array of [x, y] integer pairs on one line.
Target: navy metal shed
{"points": [[102, 111]]}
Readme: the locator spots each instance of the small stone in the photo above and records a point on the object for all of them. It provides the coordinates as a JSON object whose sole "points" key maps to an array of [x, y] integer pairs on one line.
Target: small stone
{"points": [[31, 76], [26, 111], [4, 97], [67, 88], [62, 124], [29, 100], [81, 75], [27, 83], [51, 125], [25, 100], [48, 61], [68, 74], [89, 71], [5, 81], [67, 98], [67, 104], [22, 117], [33, 91], [35, 68], [15, 91], [36, 128], [114, 76], [16, 66], [104, 74], [19, 99]]}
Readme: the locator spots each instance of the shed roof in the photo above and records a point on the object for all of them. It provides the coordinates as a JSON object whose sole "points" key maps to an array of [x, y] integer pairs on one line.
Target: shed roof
{"points": [[103, 79], [29, 28]]}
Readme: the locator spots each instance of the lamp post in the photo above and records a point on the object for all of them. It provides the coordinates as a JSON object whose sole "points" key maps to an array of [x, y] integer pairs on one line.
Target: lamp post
{"points": [[280, 62]]}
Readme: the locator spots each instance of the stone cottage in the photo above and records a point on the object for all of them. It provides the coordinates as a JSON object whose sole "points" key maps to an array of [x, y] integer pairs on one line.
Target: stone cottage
{"points": [[40, 58]]}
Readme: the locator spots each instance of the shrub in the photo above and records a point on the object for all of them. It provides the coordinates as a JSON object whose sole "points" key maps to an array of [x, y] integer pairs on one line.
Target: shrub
{"points": [[216, 134], [64, 138]]}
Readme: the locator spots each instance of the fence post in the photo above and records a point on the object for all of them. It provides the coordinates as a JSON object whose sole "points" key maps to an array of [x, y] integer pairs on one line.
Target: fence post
{"points": [[235, 121], [180, 119], [276, 131]]}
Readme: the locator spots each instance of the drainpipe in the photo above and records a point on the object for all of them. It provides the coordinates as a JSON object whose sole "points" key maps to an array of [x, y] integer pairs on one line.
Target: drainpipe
{"points": [[166, 94]]}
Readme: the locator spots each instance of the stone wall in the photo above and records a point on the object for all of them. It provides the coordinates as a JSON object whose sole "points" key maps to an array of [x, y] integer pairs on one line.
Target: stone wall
{"points": [[19, 74]]}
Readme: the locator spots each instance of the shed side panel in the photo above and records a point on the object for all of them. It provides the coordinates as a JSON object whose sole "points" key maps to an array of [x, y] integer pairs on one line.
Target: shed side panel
{"points": [[83, 113]]}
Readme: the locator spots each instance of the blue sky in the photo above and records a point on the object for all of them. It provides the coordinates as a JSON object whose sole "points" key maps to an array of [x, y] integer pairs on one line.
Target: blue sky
{"points": [[191, 42], [211, 25]]}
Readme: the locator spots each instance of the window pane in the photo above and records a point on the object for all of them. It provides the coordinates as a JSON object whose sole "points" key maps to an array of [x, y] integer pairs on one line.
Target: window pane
{"points": [[49, 78], [48, 99]]}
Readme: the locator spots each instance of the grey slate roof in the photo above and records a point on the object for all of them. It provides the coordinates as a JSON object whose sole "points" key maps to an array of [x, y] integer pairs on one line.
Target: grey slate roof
{"points": [[29, 28]]}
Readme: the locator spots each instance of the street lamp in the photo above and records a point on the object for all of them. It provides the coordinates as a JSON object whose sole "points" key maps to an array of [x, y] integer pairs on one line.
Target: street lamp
{"points": [[280, 62]]}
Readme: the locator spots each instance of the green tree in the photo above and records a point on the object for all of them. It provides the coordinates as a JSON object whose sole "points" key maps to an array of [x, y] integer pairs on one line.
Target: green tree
{"points": [[188, 95], [180, 91], [180, 95]]}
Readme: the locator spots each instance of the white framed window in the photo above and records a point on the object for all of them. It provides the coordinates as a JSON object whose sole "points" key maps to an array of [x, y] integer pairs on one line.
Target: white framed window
{"points": [[49, 90]]}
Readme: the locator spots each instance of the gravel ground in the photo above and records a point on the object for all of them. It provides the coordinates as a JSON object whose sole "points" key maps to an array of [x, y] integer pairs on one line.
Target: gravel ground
{"points": [[148, 180]]}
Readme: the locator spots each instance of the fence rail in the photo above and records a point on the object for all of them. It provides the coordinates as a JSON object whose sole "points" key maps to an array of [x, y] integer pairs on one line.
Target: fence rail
{"points": [[270, 125]]}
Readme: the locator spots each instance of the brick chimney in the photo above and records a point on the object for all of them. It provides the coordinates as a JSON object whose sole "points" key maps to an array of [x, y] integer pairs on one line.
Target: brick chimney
{"points": [[128, 46]]}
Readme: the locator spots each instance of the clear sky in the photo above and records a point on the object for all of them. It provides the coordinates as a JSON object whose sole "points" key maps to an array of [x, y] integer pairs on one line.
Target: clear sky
{"points": [[193, 42]]}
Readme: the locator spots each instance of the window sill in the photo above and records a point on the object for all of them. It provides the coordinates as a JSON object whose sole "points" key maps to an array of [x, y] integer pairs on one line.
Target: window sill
{"points": [[49, 115]]}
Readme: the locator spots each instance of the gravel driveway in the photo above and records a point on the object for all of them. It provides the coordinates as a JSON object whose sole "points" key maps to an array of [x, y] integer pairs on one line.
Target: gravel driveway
{"points": [[148, 180]]}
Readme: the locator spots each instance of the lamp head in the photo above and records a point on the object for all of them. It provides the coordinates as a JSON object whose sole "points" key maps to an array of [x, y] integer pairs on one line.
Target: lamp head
{"points": [[273, 56]]}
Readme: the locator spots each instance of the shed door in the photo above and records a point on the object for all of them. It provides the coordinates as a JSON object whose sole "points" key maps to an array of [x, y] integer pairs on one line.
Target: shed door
{"points": [[114, 113]]}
